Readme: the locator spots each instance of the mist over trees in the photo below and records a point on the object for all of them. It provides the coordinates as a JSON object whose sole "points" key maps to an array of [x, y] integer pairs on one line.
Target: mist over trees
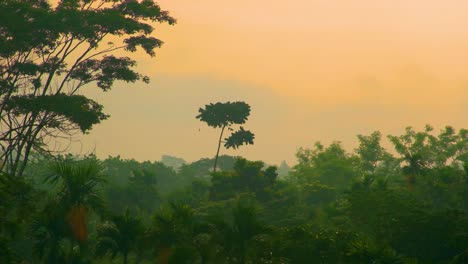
{"points": [[334, 206], [173, 162], [405, 204]]}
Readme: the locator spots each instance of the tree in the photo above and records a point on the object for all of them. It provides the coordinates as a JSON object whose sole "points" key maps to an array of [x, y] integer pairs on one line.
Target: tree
{"points": [[242, 235], [330, 165], [224, 115], [246, 176], [416, 153], [59, 230], [119, 236], [78, 184], [18, 204], [202, 168], [421, 152], [48, 53], [370, 151], [172, 232]]}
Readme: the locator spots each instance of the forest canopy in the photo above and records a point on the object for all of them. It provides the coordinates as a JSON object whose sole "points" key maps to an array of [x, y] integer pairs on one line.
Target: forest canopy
{"points": [[405, 202], [371, 205]]}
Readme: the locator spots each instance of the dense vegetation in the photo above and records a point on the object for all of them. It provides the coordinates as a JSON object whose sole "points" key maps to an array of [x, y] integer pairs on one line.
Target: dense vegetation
{"points": [[334, 206], [49, 52], [404, 204]]}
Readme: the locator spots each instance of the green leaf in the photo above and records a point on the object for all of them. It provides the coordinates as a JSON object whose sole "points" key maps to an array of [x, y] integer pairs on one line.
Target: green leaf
{"points": [[239, 138]]}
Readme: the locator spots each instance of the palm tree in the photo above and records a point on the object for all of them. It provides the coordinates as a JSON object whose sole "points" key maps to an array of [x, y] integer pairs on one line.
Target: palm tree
{"points": [[62, 222], [172, 227], [181, 237], [78, 192], [119, 236], [48, 230], [243, 233]]}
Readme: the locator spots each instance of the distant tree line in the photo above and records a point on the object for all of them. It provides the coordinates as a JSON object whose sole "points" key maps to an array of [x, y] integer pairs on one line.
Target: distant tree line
{"points": [[334, 206]]}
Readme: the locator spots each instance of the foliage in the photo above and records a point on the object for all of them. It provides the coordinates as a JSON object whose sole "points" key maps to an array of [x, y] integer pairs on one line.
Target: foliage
{"points": [[329, 165], [49, 52], [224, 115], [247, 176], [120, 235], [421, 151], [334, 207]]}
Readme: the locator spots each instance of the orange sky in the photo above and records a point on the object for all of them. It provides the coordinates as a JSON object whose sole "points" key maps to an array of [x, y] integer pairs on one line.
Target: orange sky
{"points": [[311, 70]]}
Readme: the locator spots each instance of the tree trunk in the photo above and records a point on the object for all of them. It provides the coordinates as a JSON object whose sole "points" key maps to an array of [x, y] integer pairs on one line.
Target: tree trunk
{"points": [[125, 259], [77, 222], [163, 255], [219, 146]]}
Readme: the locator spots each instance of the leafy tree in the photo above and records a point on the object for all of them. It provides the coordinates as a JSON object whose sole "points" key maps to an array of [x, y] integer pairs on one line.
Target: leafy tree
{"points": [[243, 234], [140, 186], [18, 204], [121, 235], [330, 165], [246, 176], [48, 53], [224, 115], [421, 152], [408, 225], [364, 250], [415, 153], [322, 213], [203, 167], [308, 244], [450, 146], [370, 151]]}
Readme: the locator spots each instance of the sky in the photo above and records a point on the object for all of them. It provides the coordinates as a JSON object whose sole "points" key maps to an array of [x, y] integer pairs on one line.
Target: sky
{"points": [[312, 70]]}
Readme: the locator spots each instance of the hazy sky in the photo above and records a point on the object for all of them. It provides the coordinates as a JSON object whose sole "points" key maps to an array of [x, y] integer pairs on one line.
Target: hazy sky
{"points": [[310, 69]]}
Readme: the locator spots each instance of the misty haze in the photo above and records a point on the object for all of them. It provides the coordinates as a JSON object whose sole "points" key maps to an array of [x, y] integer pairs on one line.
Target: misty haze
{"points": [[243, 132]]}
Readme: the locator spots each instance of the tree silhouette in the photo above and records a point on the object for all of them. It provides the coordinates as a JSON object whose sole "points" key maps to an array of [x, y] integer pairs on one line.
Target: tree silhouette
{"points": [[224, 115], [48, 53]]}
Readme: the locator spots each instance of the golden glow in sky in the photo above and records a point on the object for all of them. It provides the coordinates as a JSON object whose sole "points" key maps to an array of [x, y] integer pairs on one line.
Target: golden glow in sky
{"points": [[324, 50], [311, 70]]}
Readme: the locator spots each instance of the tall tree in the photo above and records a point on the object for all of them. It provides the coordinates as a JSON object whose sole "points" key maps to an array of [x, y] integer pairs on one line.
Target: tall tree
{"points": [[330, 165], [415, 152], [370, 151], [421, 152], [48, 53], [225, 115]]}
